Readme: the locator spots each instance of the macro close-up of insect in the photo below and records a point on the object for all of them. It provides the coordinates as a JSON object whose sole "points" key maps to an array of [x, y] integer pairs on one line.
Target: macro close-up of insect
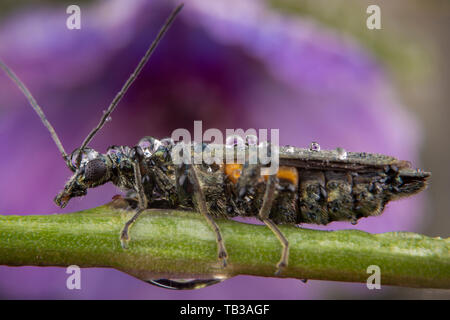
{"points": [[345, 148], [311, 186]]}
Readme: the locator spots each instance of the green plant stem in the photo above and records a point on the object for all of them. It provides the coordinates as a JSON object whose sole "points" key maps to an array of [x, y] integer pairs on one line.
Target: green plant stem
{"points": [[179, 244]]}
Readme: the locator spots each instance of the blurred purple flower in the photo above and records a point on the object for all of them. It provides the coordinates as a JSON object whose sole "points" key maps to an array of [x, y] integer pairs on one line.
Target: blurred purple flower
{"points": [[231, 64]]}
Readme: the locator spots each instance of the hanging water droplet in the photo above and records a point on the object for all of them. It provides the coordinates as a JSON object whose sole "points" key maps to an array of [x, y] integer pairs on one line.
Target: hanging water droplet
{"points": [[341, 153], [314, 146], [178, 284], [183, 284]]}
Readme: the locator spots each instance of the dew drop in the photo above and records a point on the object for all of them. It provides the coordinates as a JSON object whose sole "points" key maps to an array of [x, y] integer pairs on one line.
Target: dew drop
{"points": [[341, 153], [87, 155], [314, 146], [198, 147], [290, 149], [149, 145], [167, 142], [265, 149], [234, 140], [263, 144], [108, 119], [251, 140], [113, 150]]}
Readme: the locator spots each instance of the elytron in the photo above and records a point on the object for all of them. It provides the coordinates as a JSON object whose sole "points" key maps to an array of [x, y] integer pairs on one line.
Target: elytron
{"points": [[311, 185]]}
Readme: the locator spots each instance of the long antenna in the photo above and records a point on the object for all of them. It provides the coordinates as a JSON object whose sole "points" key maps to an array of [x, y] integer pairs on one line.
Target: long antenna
{"points": [[131, 79], [36, 108]]}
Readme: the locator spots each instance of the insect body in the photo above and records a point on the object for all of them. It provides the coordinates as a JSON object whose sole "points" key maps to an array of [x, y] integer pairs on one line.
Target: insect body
{"points": [[314, 187], [310, 185]]}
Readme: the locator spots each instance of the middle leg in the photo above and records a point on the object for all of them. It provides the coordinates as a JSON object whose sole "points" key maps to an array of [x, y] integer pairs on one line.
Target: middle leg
{"points": [[269, 196], [203, 208]]}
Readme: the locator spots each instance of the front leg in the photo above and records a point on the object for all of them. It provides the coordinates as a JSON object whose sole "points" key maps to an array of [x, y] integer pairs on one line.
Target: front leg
{"points": [[137, 157]]}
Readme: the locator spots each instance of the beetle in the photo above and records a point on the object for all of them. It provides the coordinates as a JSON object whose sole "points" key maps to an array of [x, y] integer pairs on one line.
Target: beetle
{"points": [[310, 185]]}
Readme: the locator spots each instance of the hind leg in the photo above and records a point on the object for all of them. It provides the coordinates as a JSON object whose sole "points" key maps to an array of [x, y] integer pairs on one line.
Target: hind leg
{"points": [[142, 199], [263, 214], [203, 208]]}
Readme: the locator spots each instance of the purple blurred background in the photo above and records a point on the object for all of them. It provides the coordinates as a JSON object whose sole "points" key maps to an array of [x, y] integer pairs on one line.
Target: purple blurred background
{"points": [[231, 64]]}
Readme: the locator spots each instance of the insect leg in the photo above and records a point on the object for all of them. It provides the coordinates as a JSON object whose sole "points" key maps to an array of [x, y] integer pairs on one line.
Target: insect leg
{"points": [[124, 236], [202, 207], [263, 214], [137, 156]]}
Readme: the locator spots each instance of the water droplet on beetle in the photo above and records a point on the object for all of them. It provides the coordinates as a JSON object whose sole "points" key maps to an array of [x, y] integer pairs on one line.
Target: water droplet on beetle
{"points": [[87, 155], [314, 146], [234, 140], [167, 142], [149, 145], [290, 149], [341, 153], [114, 150], [251, 140]]}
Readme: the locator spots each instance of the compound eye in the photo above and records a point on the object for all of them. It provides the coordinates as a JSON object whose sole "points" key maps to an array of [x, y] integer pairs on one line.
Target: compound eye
{"points": [[94, 170]]}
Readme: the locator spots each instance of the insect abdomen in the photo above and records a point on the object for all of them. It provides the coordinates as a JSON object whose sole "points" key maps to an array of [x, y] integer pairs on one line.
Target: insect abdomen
{"points": [[352, 195], [320, 196], [325, 196]]}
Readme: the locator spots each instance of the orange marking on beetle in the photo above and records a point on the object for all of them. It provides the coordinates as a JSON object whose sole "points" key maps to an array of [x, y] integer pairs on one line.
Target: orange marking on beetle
{"points": [[287, 173], [233, 171]]}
